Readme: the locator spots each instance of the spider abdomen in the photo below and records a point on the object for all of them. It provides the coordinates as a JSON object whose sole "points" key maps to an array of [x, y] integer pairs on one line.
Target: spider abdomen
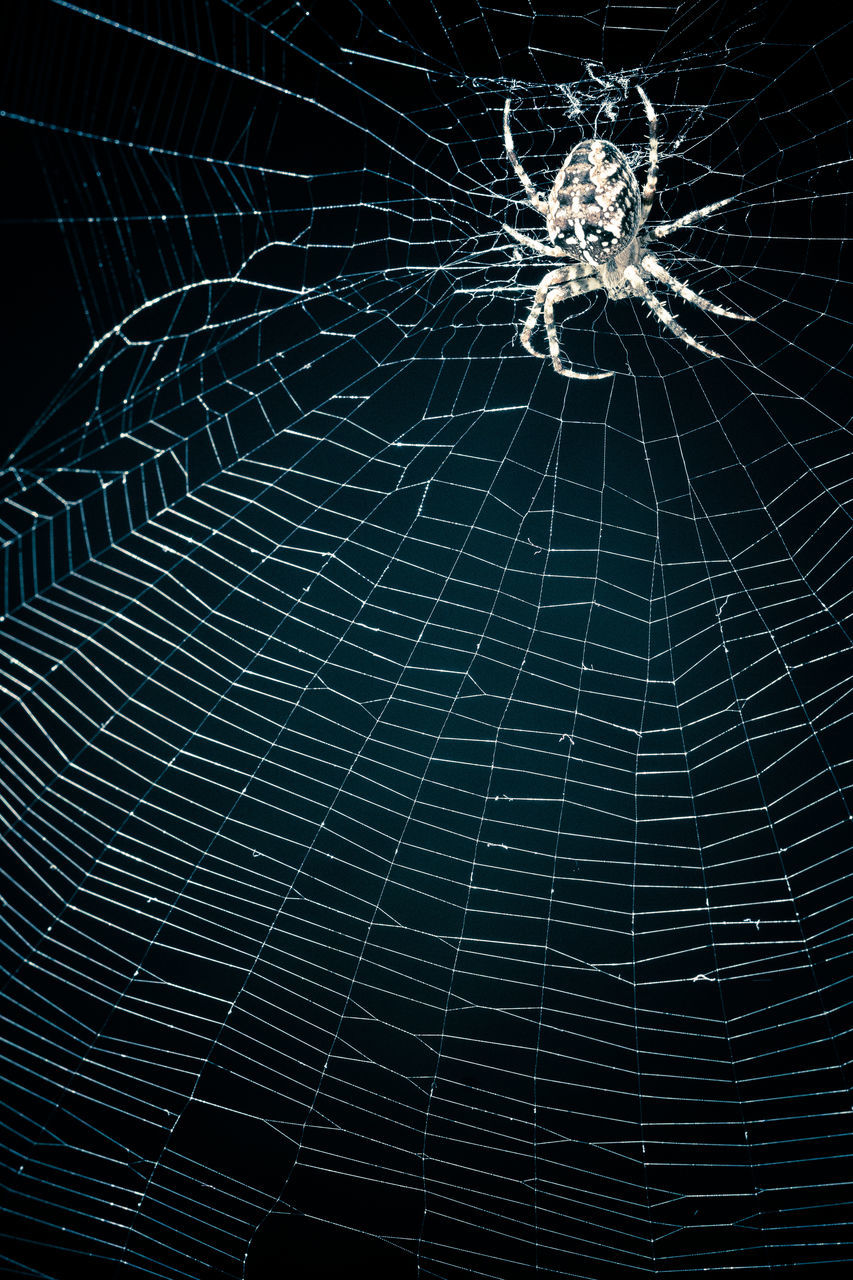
{"points": [[595, 201]]}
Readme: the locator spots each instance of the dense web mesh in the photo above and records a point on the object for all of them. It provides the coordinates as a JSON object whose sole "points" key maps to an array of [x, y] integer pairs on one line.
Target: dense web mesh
{"points": [[425, 778]]}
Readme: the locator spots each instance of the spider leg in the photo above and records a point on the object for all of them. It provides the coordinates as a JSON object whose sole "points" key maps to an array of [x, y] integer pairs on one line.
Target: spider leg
{"points": [[666, 317], [666, 228], [573, 278], [545, 284], [533, 195], [553, 297], [652, 172], [656, 269], [550, 250]]}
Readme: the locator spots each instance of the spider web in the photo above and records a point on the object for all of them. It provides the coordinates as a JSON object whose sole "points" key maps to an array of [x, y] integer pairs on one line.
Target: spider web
{"points": [[424, 777]]}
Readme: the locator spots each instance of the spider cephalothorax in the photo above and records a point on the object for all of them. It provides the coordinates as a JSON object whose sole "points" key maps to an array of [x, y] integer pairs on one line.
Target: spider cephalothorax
{"points": [[595, 216]]}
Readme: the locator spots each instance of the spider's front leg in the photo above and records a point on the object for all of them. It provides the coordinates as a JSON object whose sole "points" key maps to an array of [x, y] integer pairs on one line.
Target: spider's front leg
{"points": [[665, 316], [553, 297], [574, 280], [650, 264], [545, 284]]}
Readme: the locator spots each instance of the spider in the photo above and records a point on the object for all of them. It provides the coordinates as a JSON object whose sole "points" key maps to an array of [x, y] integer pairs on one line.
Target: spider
{"points": [[595, 215]]}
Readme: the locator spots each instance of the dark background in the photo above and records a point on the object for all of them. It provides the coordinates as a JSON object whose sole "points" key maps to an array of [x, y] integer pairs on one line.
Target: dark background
{"points": [[427, 778]]}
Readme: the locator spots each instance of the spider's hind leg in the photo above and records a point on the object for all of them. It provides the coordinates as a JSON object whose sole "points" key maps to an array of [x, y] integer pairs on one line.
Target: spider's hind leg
{"points": [[533, 195], [652, 171]]}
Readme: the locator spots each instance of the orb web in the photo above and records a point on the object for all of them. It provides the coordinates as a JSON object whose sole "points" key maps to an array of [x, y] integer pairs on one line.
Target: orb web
{"points": [[426, 781]]}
